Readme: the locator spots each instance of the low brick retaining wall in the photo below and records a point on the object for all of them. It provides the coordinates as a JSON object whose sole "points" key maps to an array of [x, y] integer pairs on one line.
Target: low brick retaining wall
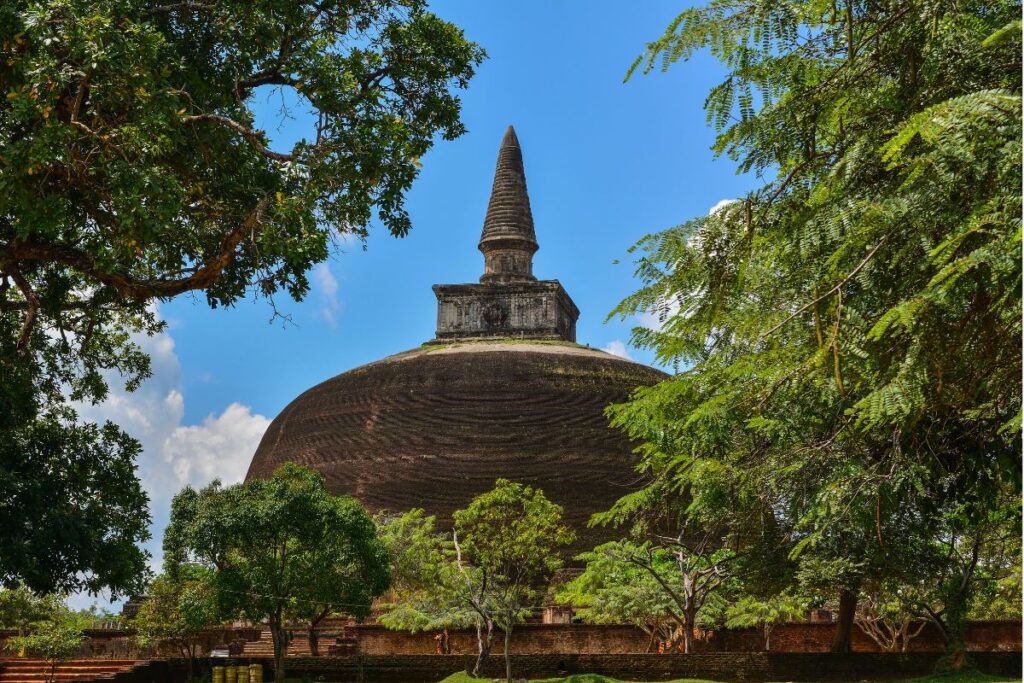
{"points": [[736, 666], [374, 639]]}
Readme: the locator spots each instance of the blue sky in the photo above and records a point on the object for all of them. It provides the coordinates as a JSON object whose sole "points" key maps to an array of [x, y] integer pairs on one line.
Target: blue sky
{"points": [[606, 163]]}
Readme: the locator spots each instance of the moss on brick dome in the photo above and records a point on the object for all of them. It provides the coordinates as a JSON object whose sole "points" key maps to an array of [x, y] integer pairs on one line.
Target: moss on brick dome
{"points": [[435, 426]]}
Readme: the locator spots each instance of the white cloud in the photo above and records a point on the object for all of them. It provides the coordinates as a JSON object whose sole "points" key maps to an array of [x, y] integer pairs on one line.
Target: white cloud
{"points": [[174, 453], [722, 203], [220, 448], [617, 348], [656, 319], [670, 307], [326, 287]]}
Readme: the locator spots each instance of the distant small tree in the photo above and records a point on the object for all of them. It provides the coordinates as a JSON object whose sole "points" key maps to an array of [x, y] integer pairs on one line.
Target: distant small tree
{"points": [[614, 590], [766, 613], [277, 543], [426, 588], [885, 617], [55, 638], [507, 543], [20, 608], [176, 611]]}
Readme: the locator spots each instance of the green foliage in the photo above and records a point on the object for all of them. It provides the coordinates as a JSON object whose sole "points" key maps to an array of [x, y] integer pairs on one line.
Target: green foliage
{"points": [[71, 508], [278, 548], [514, 536], [463, 677], [506, 546], [20, 608], [511, 542], [849, 333], [425, 583], [56, 637], [765, 613], [614, 590], [176, 610], [131, 171]]}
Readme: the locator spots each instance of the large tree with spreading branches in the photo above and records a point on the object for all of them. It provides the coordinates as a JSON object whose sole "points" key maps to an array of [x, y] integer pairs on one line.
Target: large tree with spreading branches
{"points": [[132, 170], [850, 330]]}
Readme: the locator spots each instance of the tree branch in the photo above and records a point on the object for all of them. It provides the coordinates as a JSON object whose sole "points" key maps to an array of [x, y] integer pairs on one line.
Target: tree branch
{"points": [[248, 133], [133, 287], [842, 282], [31, 311]]}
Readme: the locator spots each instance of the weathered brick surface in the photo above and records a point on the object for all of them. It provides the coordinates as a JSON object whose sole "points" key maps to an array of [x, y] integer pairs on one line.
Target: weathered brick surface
{"points": [[588, 639], [435, 426], [521, 310]]}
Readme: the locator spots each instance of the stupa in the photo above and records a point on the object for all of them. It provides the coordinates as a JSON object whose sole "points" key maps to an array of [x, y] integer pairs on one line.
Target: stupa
{"points": [[503, 390]]}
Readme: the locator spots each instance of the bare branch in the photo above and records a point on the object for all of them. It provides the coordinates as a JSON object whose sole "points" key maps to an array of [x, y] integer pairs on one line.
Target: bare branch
{"points": [[32, 310], [248, 133], [183, 6]]}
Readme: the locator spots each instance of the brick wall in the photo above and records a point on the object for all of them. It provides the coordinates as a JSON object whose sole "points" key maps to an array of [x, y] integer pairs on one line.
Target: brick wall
{"points": [[121, 644], [620, 639]]}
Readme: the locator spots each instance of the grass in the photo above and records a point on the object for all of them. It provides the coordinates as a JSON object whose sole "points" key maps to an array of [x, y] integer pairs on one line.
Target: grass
{"points": [[961, 677], [958, 677], [577, 678]]}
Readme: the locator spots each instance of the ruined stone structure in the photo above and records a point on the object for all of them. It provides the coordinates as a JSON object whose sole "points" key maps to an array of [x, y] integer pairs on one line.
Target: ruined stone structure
{"points": [[502, 390]]}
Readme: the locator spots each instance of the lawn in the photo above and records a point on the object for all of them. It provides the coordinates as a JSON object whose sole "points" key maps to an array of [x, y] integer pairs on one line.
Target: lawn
{"points": [[962, 677]]}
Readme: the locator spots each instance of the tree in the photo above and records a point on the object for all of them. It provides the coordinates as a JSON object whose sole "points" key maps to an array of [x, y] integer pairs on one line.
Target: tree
{"points": [[887, 619], [507, 543], [614, 590], [176, 610], [426, 591], [55, 638], [768, 613], [276, 543], [132, 170], [20, 608], [71, 507], [849, 331]]}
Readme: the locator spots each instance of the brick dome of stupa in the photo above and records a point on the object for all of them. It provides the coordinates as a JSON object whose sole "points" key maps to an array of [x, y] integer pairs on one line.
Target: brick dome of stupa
{"points": [[502, 391]]}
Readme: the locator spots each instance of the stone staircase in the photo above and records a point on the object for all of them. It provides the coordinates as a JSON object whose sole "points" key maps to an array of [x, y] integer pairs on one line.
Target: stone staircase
{"points": [[335, 640], [38, 670], [298, 646]]}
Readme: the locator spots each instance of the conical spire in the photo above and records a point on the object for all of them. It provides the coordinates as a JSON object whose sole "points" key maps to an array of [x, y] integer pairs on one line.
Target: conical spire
{"points": [[508, 240]]}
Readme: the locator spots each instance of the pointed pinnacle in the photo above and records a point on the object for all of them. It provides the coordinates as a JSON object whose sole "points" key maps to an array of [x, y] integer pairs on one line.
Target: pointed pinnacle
{"points": [[508, 214]]}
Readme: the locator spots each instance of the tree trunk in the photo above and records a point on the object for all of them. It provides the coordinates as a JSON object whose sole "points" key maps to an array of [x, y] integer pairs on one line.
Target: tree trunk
{"points": [[190, 655], [314, 642], [955, 618], [278, 637], [844, 625], [508, 658], [314, 639], [689, 621], [483, 642]]}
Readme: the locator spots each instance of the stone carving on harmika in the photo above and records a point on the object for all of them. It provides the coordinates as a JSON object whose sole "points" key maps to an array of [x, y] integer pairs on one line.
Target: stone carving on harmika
{"points": [[509, 301]]}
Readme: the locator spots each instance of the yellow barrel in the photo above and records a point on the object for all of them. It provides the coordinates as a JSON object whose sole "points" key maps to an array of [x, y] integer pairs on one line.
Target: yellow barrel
{"points": [[255, 673], [218, 674], [243, 673], [231, 674]]}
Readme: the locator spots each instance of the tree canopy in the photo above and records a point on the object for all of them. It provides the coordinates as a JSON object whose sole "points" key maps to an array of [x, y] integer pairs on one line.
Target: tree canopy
{"points": [[176, 610], [132, 170], [278, 548], [849, 332], [508, 544]]}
